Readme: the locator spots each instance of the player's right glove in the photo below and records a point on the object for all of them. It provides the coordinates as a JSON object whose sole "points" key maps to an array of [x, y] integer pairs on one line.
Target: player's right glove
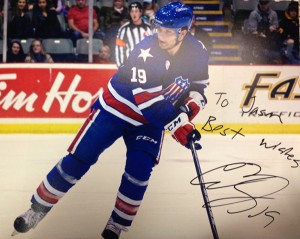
{"points": [[182, 130]]}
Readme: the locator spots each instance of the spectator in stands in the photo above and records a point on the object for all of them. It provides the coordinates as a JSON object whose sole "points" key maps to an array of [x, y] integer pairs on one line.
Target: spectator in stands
{"points": [[263, 26], [15, 52], [113, 18], [131, 33], [20, 25], [37, 53], [45, 21], [31, 4], [78, 21], [289, 29], [53, 4], [104, 56], [226, 6], [150, 8], [57, 5], [201, 35]]}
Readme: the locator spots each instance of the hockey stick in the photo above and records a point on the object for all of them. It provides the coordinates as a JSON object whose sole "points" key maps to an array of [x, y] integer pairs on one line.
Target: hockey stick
{"points": [[204, 192]]}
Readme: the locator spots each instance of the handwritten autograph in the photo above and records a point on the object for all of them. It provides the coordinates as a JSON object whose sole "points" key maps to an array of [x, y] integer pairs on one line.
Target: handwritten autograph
{"points": [[260, 112], [248, 185]]}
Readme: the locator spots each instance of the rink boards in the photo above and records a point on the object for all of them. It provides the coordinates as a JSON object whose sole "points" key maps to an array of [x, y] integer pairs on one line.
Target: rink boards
{"points": [[55, 98]]}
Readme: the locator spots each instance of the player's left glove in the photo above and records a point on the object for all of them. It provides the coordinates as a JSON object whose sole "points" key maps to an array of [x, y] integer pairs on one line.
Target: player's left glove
{"points": [[183, 130], [193, 104]]}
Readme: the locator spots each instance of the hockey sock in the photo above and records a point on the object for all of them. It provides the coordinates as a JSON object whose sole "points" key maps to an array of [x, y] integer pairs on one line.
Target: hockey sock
{"points": [[133, 186], [58, 181]]}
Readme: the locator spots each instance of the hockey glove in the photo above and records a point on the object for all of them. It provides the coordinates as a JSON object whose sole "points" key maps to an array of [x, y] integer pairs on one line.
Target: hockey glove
{"points": [[193, 104], [182, 130]]}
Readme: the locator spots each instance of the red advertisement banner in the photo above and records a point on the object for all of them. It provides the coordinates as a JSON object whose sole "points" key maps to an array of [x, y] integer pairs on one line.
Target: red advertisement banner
{"points": [[28, 91]]}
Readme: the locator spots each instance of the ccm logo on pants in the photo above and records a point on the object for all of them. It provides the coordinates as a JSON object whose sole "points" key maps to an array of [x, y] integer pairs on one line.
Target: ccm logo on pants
{"points": [[146, 138]]}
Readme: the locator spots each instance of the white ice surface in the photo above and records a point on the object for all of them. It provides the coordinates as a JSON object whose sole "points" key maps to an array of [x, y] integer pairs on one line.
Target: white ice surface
{"points": [[172, 207]]}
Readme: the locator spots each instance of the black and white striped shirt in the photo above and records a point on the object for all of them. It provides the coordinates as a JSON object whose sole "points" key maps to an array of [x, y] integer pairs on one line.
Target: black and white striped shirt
{"points": [[128, 36]]}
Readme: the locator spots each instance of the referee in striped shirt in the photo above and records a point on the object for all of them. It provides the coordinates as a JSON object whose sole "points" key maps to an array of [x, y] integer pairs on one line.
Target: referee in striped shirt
{"points": [[131, 33]]}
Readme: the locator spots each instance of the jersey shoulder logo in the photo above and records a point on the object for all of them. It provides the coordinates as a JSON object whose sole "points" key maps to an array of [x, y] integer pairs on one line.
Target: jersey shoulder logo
{"points": [[182, 83], [175, 90]]}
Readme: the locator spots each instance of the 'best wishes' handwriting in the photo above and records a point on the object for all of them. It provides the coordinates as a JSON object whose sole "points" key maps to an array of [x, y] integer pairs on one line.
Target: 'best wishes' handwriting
{"points": [[247, 187], [282, 150]]}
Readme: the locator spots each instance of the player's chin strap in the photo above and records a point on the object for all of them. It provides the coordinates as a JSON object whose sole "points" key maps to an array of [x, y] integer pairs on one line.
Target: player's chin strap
{"points": [[178, 32]]}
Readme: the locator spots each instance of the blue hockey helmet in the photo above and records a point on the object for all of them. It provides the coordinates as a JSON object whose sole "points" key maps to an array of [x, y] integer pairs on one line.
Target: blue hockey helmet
{"points": [[174, 15]]}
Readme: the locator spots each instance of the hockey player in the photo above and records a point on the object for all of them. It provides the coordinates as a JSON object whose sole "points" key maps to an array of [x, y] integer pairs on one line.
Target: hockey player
{"points": [[164, 74]]}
